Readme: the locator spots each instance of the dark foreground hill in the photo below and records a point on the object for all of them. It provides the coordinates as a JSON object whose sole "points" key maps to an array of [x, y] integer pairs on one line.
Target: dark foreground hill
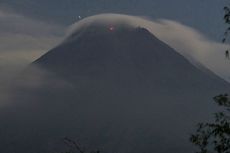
{"points": [[117, 89]]}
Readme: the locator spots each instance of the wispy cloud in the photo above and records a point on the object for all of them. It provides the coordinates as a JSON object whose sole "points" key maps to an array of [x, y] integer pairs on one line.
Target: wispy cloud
{"points": [[189, 42], [22, 40]]}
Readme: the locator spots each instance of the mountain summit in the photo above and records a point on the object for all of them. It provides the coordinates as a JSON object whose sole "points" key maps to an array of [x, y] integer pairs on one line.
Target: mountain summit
{"points": [[128, 93], [122, 51]]}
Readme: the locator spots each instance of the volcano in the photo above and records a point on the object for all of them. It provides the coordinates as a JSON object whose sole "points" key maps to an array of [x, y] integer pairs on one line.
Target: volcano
{"points": [[116, 88]]}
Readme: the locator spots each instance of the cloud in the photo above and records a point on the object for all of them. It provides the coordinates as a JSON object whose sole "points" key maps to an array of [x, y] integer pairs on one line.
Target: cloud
{"points": [[22, 40], [17, 23], [194, 46], [189, 42]]}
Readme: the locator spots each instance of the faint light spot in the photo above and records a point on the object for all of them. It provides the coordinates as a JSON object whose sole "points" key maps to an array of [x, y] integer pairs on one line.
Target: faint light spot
{"points": [[111, 28]]}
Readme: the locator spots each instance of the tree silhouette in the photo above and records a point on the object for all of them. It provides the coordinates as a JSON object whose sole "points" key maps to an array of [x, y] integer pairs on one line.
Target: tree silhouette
{"points": [[75, 147], [215, 137], [227, 22]]}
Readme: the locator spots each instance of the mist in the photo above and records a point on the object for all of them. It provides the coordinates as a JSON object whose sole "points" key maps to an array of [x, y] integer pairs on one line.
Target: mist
{"points": [[23, 40]]}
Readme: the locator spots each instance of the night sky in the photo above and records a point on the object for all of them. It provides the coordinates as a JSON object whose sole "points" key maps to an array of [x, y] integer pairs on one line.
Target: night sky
{"points": [[204, 15]]}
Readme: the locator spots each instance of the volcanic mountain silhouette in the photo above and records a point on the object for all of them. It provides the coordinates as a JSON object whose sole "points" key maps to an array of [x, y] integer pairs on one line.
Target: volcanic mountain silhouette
{"points": [[125, 91]]}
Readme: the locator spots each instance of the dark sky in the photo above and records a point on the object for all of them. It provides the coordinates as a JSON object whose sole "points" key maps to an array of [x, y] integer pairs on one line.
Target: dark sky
{"points": [[203, 15]]}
